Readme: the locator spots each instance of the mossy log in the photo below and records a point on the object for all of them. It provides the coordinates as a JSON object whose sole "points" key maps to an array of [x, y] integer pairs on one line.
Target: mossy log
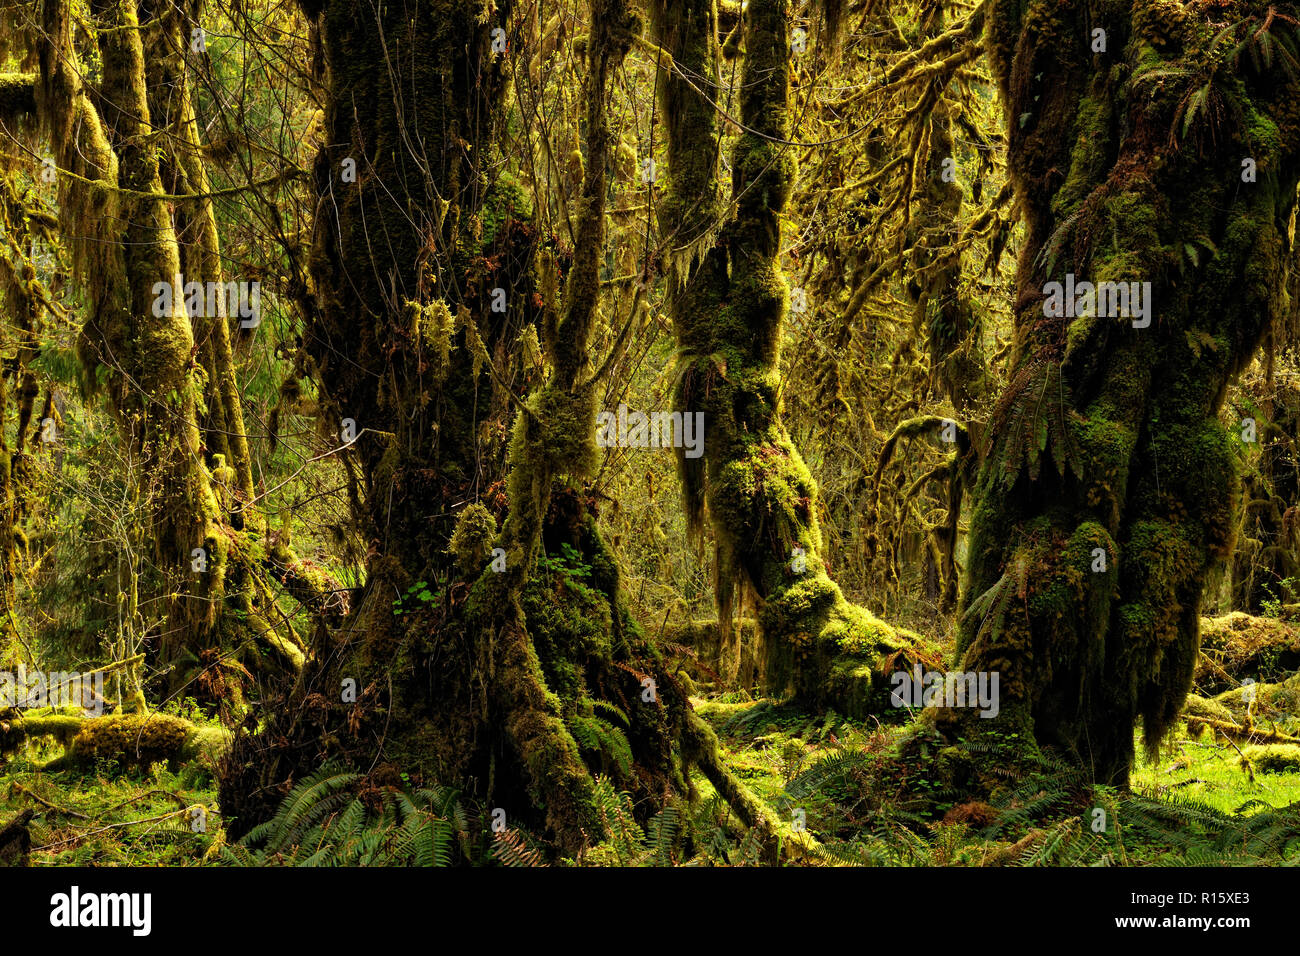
{"points": [[777, 840], [856, 682], [1273, 758], [139, 740], [1237, 646], [1238, 732], [1250, 713], [1198, 708], [1275, 701]]}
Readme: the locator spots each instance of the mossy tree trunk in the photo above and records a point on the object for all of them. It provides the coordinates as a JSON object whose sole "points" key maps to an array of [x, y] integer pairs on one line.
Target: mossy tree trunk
{"points": [[168, 35], [125, 226], [252, 627], [111, 199], [730, 302], [25, 299], [1085, 572], [467, 670], [943, 309], [406, 222]]}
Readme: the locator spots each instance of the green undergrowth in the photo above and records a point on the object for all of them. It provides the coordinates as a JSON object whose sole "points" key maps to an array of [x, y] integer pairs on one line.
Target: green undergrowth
{"points": [[105, 816], [1200, 801], [1196, 803]]}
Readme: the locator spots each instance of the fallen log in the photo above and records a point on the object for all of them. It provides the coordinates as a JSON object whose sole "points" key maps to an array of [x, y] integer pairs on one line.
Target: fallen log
{"points": [[1249, 733], [1236, 646], [131, 739]]}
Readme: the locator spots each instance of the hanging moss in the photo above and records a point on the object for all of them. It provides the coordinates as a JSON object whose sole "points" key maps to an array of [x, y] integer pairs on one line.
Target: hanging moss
{"points": [[476, 529], [761, 500]]}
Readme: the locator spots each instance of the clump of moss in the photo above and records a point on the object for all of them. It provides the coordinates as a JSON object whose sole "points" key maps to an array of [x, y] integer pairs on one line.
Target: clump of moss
{"points": [[473, 536], [435, 330]]}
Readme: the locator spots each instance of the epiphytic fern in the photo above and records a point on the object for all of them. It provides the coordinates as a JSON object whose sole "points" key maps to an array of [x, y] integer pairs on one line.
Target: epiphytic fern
{"points": [[1033, 419], [991, 607], [599, 735]]}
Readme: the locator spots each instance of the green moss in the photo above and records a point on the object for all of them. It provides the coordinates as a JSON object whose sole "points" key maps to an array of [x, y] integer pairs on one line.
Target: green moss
{"points": [[1195, 706], [1236, 646], [145, 739], [505, 200], [475, 532], [1278, 702], [1091, 160]]}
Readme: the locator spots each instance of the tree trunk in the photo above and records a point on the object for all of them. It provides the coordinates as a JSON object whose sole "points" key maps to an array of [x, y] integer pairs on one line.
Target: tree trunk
{"points": [[112, 198], [468, 668], [24, 297], [171, 102], [1266, 563], [946, 315], [1085, 574], [729, 305]]}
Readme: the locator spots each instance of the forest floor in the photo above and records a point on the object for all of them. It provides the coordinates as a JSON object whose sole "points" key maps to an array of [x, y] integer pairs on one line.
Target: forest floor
{"points": [[105, 817], [826, 776], [1194, 803]]}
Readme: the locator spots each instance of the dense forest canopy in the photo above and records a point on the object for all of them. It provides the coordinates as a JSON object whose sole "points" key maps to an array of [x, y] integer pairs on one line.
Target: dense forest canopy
{"points": [[616, 432]]}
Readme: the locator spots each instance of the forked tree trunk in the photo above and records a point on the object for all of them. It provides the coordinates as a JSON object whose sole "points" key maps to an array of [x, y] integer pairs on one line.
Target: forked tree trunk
{"points": [[465, 669]]}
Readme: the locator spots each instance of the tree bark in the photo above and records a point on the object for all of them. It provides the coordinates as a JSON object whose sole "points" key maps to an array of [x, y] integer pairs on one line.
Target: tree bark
{"points": [[111, 198], [464, 672]]}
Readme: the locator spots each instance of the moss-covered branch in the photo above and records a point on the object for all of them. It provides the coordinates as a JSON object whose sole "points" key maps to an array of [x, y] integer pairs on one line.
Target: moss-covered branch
{"points": [[17, 95]]}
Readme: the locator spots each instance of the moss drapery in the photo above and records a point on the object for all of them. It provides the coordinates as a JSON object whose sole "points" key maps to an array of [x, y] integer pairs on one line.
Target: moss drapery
{"points": [[468, 666]]}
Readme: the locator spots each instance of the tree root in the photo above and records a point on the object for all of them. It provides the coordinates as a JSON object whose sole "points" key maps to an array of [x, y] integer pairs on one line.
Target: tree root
{"points": [[559, 778], [778, 840]]}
